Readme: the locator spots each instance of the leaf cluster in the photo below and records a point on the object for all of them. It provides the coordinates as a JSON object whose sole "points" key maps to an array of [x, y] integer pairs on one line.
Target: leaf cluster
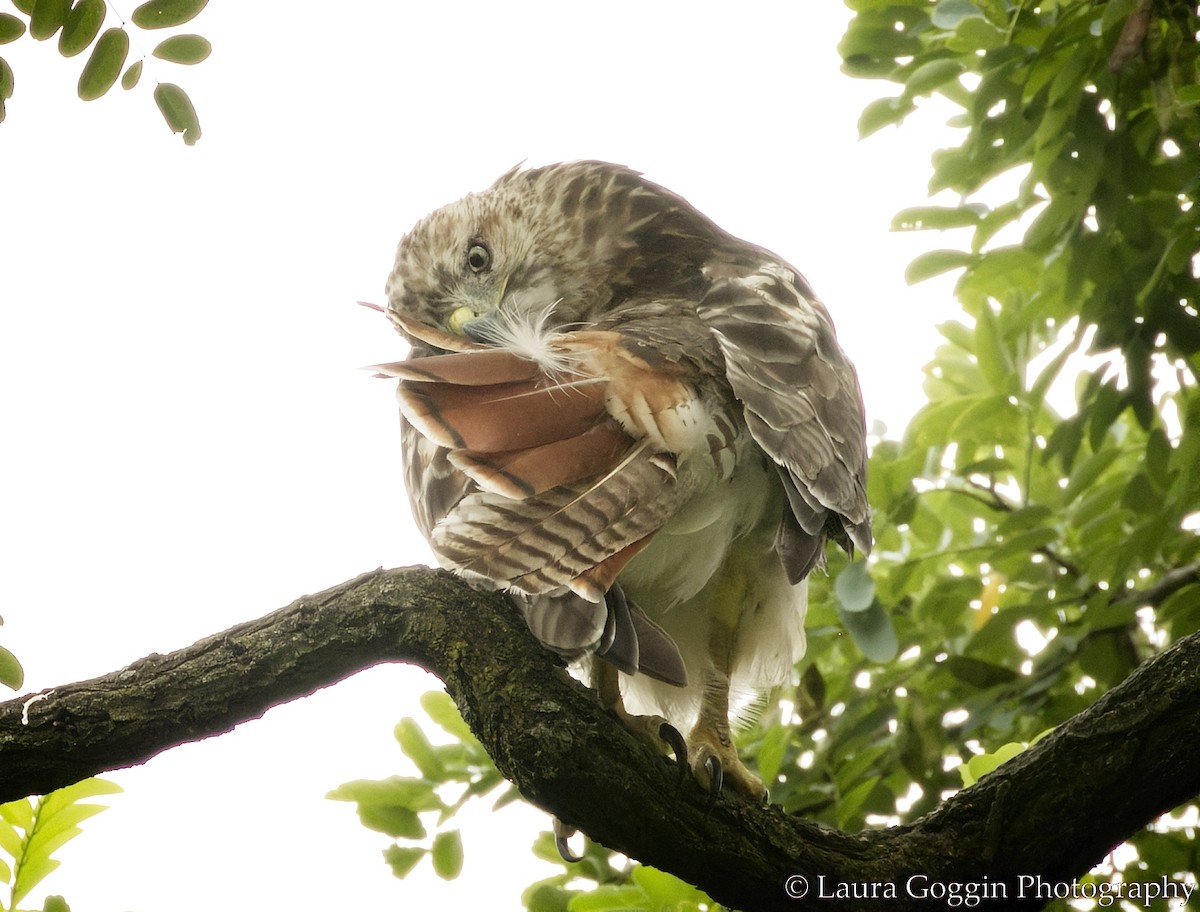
{"points": [[1036, 521], [1093, 109], [599, 880], [79, 26], [31, 830], [450, 776], [598, 883]]}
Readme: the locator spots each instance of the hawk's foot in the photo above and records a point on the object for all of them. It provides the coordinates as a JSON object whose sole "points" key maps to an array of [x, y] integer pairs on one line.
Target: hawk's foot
{"points": [[655, 731], [716, 765]]}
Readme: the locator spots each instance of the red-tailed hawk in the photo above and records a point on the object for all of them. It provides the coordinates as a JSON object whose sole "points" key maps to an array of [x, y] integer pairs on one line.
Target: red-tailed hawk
{"points": [[639, 425]]}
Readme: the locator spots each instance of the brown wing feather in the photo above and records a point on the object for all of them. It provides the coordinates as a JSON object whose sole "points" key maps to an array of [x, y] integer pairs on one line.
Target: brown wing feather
{"points": [[562, 479], [802, 404]]}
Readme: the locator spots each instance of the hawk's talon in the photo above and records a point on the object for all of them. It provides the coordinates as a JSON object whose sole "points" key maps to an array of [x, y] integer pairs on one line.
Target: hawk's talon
{"points": [[717, 768], [669, 733], [562, 833], [716, 778]]}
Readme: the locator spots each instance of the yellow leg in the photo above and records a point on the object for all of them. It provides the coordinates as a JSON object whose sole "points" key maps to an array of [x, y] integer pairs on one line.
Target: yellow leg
{"points": [[647, 728], [711, 752]]}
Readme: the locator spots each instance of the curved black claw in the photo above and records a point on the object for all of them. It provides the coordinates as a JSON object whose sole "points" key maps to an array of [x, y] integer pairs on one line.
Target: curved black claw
{"points": [[678, 745], [716, 778], [562, 833]]}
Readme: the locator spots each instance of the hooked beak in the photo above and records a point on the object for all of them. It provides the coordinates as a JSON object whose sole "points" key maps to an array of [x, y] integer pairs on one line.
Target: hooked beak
{"points": [[481, 329], [477, 328]]}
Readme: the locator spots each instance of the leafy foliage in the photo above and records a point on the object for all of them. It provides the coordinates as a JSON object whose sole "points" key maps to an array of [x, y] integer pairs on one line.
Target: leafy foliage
{"points": [[1036, 523], [31, 830], [395, 806], [617, 888], [78, 26], [451, 775]]}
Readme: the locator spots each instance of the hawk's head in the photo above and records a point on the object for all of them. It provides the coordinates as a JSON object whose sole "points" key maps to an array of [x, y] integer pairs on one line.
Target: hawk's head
{"points": [[554, 245]]}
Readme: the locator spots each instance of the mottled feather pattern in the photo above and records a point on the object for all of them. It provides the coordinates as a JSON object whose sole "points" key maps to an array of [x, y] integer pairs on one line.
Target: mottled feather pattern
{"points": [[774, 337], [562, 529], [546, 542]]}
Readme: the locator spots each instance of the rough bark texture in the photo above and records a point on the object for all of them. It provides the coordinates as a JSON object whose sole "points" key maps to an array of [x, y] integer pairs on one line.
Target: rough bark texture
{"points": [[1053, 812]]}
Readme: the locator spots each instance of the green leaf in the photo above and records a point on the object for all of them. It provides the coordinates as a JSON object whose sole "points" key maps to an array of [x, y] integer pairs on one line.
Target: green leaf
{"points": [[547, 896], [854, 587], [132, 75], [771, 751], [979, 673], [609, 898], [415, 794], [185, 49], [851, 804], [19, 813], [12, 675], [44, 844], [1188, 96], [11, 28], [872, 631], [49, 834], [994, 361], [876, 40], [929, 76], [509, 795], [935, 262], [1083, 478], [403, 859], [982, 764], [989, 418], [1023, 518], [949, 13], [883, 112], [441, 709], [976, 34], [924, 218], [158, 14], [55, 904], [10, 839], [666, 891], [177, 111], [391, 805], [48, 17], [447, 854], [1059, 217], [104, 65], [392, 820], [33, 872], [82, 27], [418, 749], [86, 788]]}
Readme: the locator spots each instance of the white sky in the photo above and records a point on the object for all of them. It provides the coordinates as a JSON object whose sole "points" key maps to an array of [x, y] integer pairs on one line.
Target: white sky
{"points": [[187, 440]]}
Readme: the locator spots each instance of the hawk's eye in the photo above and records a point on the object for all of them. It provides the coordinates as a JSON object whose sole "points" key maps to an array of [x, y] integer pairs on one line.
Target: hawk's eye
{"points": [[479, 257]]}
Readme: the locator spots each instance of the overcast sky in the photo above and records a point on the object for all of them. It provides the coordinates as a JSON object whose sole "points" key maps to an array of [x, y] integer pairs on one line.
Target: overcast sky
{"points": [[188, 441]]}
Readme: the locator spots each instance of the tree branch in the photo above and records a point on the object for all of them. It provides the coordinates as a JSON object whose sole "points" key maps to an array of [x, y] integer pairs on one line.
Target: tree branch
{"points": [[1052, 812]]}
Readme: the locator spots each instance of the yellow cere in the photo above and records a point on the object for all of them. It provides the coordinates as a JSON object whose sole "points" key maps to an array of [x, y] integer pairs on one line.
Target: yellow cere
{"points": [[460, 316]]}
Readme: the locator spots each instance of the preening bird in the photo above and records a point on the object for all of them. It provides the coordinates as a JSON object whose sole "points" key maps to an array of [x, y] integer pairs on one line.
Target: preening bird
{"points": [[640, 426]]}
